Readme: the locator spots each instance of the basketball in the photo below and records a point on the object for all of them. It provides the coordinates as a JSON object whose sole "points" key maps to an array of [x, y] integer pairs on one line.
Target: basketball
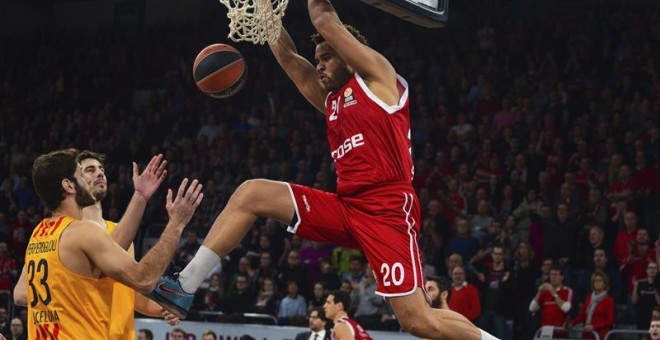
{"points": [[219, 70]]}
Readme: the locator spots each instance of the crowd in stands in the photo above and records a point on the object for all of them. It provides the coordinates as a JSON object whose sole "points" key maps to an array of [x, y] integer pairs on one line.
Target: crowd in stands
{"points": [[536, 133]]}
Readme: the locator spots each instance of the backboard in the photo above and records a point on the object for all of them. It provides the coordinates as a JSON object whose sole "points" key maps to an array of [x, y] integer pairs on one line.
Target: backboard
{"points": [[427, 13]]}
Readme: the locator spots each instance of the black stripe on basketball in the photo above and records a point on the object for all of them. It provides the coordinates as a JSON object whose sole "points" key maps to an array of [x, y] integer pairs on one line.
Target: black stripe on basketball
{"points": [[213, 62], [232, 89]]}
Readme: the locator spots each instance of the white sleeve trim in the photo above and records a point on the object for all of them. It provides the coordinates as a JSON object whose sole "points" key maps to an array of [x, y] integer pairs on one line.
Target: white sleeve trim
{"points": [[388, 108]]}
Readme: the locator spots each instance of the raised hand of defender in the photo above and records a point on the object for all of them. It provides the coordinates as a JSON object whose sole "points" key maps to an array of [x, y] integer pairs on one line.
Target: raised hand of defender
{"points": [[181, 207], [147, 182], [170, 318]]}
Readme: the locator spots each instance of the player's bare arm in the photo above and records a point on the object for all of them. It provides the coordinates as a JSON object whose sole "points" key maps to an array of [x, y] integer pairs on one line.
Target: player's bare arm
{"points": [[342, 332], [20, 290], [89, 251], [301, 71], [373, 67], [145, 184]]}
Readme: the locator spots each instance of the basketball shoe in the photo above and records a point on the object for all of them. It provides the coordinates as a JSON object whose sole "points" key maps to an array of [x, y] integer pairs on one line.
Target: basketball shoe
{"points": [[169, 294]]}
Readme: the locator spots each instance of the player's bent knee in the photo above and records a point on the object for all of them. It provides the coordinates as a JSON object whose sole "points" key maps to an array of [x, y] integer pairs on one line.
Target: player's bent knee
{"points": [[243, 195]]}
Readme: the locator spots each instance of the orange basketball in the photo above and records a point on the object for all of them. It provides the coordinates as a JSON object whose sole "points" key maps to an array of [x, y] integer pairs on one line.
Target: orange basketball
{"points": [[219, 70]]}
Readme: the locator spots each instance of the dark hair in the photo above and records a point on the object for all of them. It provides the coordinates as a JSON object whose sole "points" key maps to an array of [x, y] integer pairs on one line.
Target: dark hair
{"points": [[86, 154], [147, 333], [49, 170], [444, 285], [343, 298], [321, 313], [179, 330], [211, 333], [557, 268], [317, 38]]}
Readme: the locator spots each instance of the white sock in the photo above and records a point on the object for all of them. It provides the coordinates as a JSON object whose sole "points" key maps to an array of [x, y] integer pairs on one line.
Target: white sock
{"points": [[192, 276], [486, 336]]}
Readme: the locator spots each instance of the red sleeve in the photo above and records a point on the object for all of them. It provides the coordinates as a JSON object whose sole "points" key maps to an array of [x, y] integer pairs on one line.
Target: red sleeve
{"points": [[608, 319], [475, 306], [582, 316]]}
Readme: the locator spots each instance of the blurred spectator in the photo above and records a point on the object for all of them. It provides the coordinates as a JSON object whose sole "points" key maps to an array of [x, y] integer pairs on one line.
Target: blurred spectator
{"points": [[240, 301], [311, 257], [268, 298], [266, 269], [553, 299], [215, 293], [355, 271], [209, 335], [597, 312], [187, 249], [625, 239], [17, 330], [601, 263], [319, 293], [524, 271], [494, 283], [145, 334], [463, 243], [178, 334], [464, 296], [645, 295], [293, 271], [293, 307], [328, 276], [342, 257], [366, 303]]}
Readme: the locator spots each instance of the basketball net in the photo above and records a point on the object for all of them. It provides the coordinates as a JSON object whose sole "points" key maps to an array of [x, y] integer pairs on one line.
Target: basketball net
{"points": [[256, 21]]}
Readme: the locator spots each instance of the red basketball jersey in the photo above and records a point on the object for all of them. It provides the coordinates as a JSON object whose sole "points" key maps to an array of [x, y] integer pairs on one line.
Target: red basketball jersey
{"points": [[358, 332], [369, 140]]}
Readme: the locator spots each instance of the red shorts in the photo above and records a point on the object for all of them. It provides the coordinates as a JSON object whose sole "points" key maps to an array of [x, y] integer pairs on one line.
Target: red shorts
{"points": [[383, 222]]}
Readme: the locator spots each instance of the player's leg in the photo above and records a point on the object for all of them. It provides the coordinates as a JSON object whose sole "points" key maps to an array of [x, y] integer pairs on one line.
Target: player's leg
{"points": [[318, 219], [252, 199], [417, 317]]}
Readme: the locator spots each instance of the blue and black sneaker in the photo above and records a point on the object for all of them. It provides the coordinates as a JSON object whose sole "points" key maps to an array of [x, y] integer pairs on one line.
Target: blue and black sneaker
{"points": [[169, 294]]}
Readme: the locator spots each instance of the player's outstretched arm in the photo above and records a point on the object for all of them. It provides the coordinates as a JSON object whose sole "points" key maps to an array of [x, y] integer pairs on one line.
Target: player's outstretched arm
{"points": [[147, 307], [373, 67], [301, 71], [114, 262], [146, 184]]}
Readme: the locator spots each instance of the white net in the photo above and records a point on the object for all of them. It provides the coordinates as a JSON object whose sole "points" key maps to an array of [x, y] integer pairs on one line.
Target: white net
{"points": [[257, 21]]}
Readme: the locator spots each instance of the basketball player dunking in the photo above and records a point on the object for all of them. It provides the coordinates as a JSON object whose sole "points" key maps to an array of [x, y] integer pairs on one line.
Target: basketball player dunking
{"points": [[375, 208]]}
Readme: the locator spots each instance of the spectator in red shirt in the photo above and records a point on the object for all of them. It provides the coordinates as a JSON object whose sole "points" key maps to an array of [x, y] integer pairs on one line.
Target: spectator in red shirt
{"points": [[641, 253], [464, 297], [625, 238], [597, 313], [553, 299]]}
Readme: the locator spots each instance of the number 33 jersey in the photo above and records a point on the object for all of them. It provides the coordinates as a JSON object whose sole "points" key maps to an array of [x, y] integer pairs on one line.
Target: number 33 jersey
{"points": [[62, 304], [369, 139]]}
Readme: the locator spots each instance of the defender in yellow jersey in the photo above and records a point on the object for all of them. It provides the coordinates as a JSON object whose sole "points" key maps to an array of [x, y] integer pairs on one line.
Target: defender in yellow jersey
{"points": [[71, 264], [124, 299]]}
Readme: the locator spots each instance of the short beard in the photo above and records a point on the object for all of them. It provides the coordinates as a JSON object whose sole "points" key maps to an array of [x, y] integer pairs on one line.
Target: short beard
{"points": [[83, 197], [99, 195]]}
